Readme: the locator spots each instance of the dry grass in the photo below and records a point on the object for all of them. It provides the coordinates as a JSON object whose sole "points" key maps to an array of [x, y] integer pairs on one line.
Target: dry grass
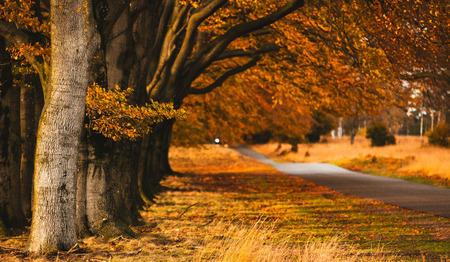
{"points": [[422, 158], [215, 213], [252, 244], [213, 158]]}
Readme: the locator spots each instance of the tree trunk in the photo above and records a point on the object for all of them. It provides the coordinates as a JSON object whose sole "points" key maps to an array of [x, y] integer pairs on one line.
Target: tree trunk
{"points": [[106, 204], [82, 227], [108, 186], [354, 129], [154, 160], [3, 229], [28, 134], [126, 196], [10, 197], [60, 126]]}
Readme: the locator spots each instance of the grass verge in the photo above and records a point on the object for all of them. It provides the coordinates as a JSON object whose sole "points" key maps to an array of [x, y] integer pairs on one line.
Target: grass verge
{"points": [[391, 167], [411, 158]]}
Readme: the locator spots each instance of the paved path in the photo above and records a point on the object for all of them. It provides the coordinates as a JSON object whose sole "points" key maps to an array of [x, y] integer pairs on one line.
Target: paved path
{"points": [[397, 192]]}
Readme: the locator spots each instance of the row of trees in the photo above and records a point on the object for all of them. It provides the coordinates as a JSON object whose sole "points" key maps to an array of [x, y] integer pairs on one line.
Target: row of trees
{"points": [[351, 59], [281, 57]]}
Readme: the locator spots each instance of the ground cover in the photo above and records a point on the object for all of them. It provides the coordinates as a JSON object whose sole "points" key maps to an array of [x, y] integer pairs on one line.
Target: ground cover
{"points": [[225, 207], [411, 158]]}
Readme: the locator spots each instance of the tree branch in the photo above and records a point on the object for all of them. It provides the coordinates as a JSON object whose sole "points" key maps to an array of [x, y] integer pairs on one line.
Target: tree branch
{"points": [[167, 44], [179, 55], [422, 75], [195, 20], [17, 36], [162, 27], [224, 77], [213, 50], [251, 52]]}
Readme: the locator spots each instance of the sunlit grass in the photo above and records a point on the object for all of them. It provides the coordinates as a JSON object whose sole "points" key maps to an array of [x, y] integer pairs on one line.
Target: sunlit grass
{"points": [[211, 158], [211, 213], [303, 212], [420, 159], [244, 243]]}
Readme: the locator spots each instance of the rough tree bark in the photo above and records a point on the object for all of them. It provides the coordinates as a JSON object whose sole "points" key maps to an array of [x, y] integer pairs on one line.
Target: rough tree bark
{"points": [[106, 201], [60, 125], [107, 179]]}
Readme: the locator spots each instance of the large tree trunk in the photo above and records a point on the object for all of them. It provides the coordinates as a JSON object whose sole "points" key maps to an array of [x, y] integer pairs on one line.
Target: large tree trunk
{"points": [[154, 160], [106, 204], [60, 125], [107, 199], [10, 197], [108, 207], [126, 197]]}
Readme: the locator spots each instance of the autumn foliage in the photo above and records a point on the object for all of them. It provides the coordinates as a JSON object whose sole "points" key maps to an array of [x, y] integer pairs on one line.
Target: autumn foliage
{"points": [[242, 67], [110, 114]]}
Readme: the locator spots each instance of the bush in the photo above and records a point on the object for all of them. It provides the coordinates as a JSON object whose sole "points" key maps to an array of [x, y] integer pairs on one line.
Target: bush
{"points": [[379, 135], [439, 136]]}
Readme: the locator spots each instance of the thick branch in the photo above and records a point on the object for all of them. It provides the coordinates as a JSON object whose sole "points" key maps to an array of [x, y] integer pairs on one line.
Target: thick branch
{"points": [[162, 26], [166, 44], [174, 65], [213, 50], [224, 77], [189, 41]]}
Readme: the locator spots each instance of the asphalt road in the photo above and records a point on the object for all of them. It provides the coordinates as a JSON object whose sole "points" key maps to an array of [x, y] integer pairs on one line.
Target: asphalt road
{"points": [[397, 192]]}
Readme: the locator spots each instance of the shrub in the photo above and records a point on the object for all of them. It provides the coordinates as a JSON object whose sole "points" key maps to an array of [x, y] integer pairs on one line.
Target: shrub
{"points": [[379, 135], [439, 136]]}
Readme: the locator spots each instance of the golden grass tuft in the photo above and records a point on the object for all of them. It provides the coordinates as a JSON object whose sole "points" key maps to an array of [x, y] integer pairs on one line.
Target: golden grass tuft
{"points": [[253, 244]]}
